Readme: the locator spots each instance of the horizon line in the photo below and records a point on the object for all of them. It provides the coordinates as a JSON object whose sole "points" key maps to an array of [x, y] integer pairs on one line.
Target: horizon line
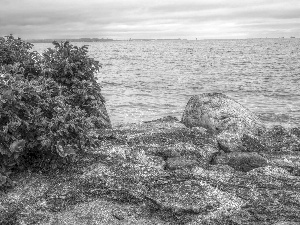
{"points": [[145, 39]]}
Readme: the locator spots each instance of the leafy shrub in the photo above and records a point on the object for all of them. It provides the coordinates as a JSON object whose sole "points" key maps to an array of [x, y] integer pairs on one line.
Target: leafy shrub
{"points": [[69, 66], [48, 103]]}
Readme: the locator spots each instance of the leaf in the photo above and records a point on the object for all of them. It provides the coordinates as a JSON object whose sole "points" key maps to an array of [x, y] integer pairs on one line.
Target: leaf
{"points": [[16, 156], [2, 180], [65, 151], [17, 146], [4, 151], [60, 150], [7, 94], [69, 150], [46, 143], [65, 52], [56, 44]]}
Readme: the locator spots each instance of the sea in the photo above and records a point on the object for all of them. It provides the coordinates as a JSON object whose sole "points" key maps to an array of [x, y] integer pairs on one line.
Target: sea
{"points": [[146, 80]]}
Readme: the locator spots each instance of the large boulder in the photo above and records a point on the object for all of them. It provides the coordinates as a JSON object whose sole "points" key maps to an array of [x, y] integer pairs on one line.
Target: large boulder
{"points": [[224, 117], [218, 113]]}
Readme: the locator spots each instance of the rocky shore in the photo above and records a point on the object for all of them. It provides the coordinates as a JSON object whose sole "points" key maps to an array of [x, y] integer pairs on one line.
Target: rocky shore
{"points": [[218, 165]]}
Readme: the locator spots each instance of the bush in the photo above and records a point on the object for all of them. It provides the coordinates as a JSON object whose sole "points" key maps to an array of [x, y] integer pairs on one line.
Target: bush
{"points": [[48, 103]]}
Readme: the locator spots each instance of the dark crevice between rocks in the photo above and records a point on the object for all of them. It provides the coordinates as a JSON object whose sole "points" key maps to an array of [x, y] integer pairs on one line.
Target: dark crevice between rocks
{"points": [[223, 148]]}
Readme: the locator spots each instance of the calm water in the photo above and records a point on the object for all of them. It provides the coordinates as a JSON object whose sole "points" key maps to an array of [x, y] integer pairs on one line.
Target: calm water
{"points": [[147, 80]]}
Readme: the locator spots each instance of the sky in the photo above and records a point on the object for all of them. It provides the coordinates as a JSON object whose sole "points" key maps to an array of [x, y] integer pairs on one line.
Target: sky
{"points": [[124, 19]]}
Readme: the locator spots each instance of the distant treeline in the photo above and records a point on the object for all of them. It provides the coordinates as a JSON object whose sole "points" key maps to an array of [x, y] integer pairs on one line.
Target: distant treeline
{"points": [[161, 39], [71, 40], [96, 40]]}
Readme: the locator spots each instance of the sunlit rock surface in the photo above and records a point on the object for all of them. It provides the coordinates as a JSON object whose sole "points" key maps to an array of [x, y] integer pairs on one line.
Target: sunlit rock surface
{"points": [[159, 172], [236, 128], [218, 113]]}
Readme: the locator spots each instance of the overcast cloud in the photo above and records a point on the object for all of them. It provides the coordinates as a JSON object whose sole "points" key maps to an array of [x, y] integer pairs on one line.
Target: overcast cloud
{"points": [[123, 19]]}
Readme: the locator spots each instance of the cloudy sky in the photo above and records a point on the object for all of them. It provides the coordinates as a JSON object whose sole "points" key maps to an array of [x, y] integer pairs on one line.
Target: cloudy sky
{"points": [[124, 19]]}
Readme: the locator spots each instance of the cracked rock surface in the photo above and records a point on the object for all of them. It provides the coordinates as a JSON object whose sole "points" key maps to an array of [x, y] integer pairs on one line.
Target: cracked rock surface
{"points": [[160, 172]]}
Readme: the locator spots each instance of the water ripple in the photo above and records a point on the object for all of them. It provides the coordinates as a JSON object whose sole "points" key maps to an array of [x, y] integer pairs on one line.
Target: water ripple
{"points": [[147, 80]]}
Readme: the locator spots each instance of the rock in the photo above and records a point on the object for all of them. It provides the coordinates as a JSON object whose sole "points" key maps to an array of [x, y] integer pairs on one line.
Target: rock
{"points": [[176, 150], [230, 142], [192, 197], [296, 131], [270, 171], [280, 139], [289, 161], [286, 223], [172, 139], [153, 132], [123, 182], [221, 168], [241, 161], [234, 142], [164, 119], [104, 212], [208, 153], [275, 139], [151, 161], [186, 150], [156, 162], [113, 151], [219, 173], [218, 113], [201, 130], [180, 163], [252, 143], [224, 117], [238, 142]]}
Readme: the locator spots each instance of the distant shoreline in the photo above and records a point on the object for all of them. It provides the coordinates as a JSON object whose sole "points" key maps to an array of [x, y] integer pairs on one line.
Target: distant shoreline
{"points": [[144, 39], [71, 40], [96, 40]]}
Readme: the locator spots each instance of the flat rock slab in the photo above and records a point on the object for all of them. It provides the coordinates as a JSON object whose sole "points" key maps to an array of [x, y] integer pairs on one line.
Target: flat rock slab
{"points": [[290, 161], [170, 139], [242, 161], [163, 134], [279, 138], [101, 212], [192, 196], [287, 223], [274, 139], [180, 163]]}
